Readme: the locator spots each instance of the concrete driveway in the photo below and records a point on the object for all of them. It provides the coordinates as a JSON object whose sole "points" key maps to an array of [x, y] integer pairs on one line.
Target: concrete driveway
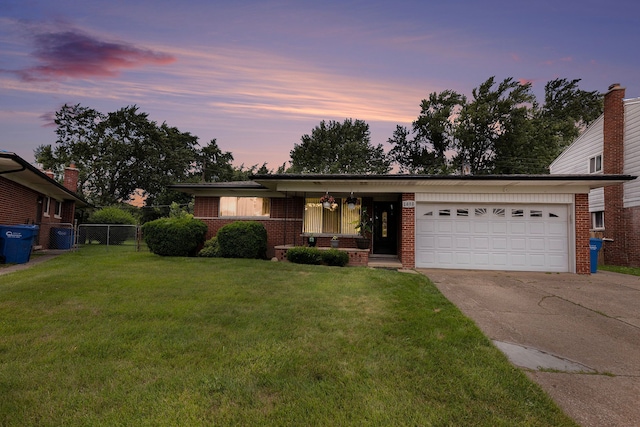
{"points": [[577, 336]]}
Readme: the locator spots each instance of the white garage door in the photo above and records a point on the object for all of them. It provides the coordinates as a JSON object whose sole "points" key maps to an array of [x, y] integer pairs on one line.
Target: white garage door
{"points": [[492, 237]]}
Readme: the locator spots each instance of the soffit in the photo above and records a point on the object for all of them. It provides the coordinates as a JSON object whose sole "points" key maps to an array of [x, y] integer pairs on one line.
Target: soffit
{"points": [[27, 176]]}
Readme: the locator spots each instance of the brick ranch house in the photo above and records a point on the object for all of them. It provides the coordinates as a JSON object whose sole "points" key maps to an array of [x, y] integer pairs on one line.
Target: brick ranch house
{"points": [[611, 145], [30, 196], [490, 222]]}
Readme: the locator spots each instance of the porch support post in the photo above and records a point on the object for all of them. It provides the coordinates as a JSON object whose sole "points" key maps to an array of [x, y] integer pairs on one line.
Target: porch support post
{"points": [[583, 223], [408, 231]]}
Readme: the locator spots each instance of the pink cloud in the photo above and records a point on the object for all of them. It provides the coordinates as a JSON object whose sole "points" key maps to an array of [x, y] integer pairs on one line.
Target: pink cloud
{"points": [[74, 54], [48, 119]]}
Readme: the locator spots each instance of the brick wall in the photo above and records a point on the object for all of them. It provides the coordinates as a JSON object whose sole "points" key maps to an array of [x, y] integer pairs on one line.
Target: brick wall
{"points": [[19, 205], [583, 224], [284, 226], [408, 234], [615, 252]]}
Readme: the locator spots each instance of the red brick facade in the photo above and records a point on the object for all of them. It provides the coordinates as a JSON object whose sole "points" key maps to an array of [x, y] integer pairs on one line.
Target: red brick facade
{"points": [[408, 233], [284, 226], [22, 205], [583, 224], [622, 225]]}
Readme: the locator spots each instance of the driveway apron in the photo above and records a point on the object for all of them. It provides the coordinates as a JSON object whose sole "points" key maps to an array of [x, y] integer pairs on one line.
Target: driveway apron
{"points": [[577, 336]]}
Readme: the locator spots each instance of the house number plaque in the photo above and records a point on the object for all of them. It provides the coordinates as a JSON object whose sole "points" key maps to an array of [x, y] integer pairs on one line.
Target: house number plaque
{"points": [[409, 204]]}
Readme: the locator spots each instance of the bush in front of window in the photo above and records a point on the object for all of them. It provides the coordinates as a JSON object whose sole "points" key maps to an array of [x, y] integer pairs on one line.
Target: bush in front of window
{"points": [[211, 249], [243, 239], [304, 255], [174, 236], [334, 257]]}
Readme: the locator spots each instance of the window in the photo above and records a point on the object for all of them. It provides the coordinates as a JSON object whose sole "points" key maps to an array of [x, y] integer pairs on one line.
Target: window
{"points": [[318, 220], [595, 164], [444, 212], [46, 206], [463, 212], [535, 213], [517, 213], [58, 209], [244, 206], [597, 220]]}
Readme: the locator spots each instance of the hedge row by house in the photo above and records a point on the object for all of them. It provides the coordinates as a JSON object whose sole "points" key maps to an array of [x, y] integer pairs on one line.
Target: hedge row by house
{"points": [[305, 255], [174, 236]]}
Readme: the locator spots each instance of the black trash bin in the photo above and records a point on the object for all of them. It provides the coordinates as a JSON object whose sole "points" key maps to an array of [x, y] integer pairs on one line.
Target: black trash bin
{"points": [[60, 238], [16, 242], [594, 246]]}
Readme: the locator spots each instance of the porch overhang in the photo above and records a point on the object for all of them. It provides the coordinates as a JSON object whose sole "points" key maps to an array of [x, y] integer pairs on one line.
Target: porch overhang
{"points": [[379, 184]]}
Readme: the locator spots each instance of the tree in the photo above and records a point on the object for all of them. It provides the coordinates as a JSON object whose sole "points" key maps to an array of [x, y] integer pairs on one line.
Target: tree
{"points": [[487, 128], [502, 129], [339, 148], [426, 152], [118, 153], [213, 164]]}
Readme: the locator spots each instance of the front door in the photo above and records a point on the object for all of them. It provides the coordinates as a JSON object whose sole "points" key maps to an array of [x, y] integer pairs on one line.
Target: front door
{"points": [[385, 228]]}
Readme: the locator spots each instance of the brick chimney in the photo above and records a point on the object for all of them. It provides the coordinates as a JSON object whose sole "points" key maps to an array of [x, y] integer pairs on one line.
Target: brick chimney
{"points": [[71, 174], [613, 163], [613, 145], [49, 173]]}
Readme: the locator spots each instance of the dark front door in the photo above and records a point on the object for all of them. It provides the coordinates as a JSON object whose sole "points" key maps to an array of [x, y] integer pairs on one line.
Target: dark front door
{"points": [[385, 228]]}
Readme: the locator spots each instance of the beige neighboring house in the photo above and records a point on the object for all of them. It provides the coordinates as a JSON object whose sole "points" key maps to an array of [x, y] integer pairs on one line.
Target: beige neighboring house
{"points": [[611, 145]]}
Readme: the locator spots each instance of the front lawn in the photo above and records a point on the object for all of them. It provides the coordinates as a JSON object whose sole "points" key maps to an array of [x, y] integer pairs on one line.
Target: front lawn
{"points": [[121, 338], [634, 271]]}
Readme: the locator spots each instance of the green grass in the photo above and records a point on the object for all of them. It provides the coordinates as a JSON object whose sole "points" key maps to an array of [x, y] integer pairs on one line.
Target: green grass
{"points": [[634, 271], [122, 338]]}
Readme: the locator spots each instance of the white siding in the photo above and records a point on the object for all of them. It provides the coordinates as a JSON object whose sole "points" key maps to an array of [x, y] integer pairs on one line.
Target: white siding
{"points": [[596, 199], [632, 151], [575, 158]]}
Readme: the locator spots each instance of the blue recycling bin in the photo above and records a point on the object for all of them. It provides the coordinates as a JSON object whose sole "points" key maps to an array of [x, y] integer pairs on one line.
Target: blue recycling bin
{"points": [[16, 242], [60, 238], [594, 245]]}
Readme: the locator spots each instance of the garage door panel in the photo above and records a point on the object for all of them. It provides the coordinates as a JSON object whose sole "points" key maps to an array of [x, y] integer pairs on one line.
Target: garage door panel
{"points": [[480, 243], [505, 237], [518, 228], [499, 243]]}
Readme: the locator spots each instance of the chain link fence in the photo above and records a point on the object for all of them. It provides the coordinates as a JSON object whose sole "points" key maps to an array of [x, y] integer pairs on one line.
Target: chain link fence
{"points": [[109, 235]]}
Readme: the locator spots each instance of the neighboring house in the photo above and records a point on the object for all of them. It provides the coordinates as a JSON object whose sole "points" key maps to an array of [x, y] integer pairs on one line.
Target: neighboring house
{"points": [[30, 196], [611, 145], [515, 222]]}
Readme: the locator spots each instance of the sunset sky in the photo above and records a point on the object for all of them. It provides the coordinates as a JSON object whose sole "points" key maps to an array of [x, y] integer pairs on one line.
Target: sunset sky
{"points": [[257, 75]]}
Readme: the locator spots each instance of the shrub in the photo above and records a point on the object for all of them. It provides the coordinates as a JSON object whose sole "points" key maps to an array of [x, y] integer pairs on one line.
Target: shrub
{"points": [[335, 257], [304, 255], [243, 239], [211, 248], [174, 236], [112, 215]]}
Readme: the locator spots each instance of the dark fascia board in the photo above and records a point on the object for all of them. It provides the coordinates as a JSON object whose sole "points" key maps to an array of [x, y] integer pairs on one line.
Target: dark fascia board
{"points": [[235, 188], [24, 166], [402, 177]]}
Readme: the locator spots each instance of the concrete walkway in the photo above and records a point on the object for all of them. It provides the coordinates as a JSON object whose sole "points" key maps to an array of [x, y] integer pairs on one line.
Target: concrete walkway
{"points": [[577, 336], [35, 259]]}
